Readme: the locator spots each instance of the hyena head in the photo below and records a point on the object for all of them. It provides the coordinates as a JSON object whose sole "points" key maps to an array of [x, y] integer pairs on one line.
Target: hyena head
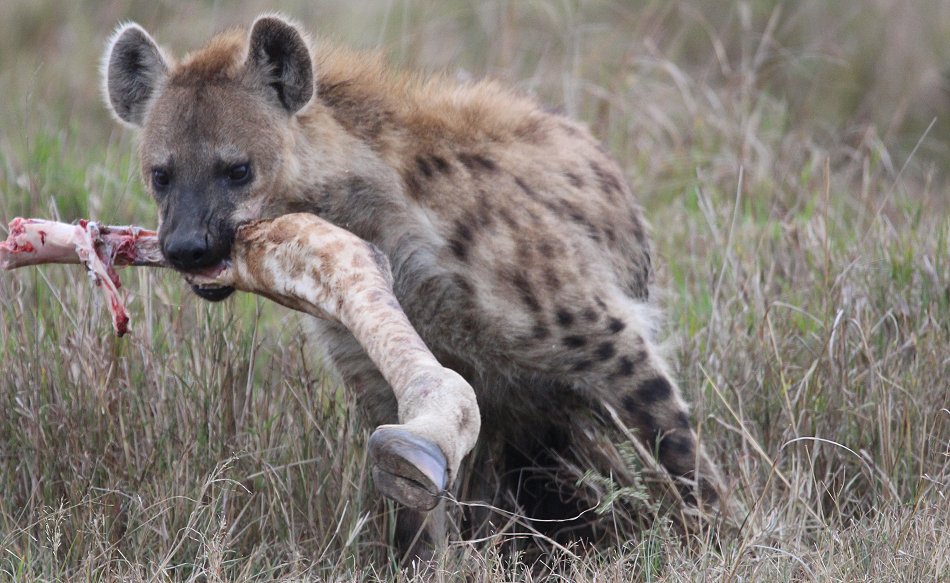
{"points": [[215, 130]]}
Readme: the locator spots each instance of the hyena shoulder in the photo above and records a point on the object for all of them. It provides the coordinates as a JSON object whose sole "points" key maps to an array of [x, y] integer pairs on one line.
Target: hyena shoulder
{"points": [[495, 173]]}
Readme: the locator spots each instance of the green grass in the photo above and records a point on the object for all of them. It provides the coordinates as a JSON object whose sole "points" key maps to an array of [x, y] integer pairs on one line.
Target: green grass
{"points": [[789, 162]]}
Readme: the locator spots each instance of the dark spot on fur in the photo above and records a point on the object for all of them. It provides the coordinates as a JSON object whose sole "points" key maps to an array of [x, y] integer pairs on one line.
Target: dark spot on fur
{"points": [[486, 163], [582, 365], [630, 404], [605, 351], [689, 496], [567, 208], [527, 189], [552, 206], [640, 356], [611, 234], [626, 367], [531, 131], [441, 164], [608, 181], [423, 166], [707, 491], [552, 281], [615, 325], [654, 390], [463, 231], [313, 205], [413, 186], [509, 220], [580, 219], [641, 419], [525, 255], [464, 419], [361, 115], [574, 341], [673, 447], [477, 162], [546, 249], [638, 232], [459, 249], [590, 314], [527, 294], [576, 181], [564, 317], [681, 420], [540, 332], [459, 244], [483, 216], [463, 284]]}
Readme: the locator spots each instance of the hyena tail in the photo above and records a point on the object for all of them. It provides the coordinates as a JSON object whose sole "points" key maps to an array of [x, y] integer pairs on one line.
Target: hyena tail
{"points": [[648, 402]]}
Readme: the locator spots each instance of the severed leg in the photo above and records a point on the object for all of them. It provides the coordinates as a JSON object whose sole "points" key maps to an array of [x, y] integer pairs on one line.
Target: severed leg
{"points": [[310, 265], [307, 264], [98, 247]]}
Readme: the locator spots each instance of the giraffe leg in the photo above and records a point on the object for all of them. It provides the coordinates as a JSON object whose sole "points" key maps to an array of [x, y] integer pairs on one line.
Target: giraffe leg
{"points": [[407, 468]]}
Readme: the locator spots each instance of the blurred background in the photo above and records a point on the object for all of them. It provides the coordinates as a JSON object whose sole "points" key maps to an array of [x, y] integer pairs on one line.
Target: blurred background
{"points": [[792, 157], [668, 76]]}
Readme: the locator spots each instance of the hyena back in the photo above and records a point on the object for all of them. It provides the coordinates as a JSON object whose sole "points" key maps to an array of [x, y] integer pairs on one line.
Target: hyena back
{"points": [[518, 251]]}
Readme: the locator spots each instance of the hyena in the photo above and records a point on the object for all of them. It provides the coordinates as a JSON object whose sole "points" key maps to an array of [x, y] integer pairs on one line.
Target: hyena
{"points": [[517, 250]]}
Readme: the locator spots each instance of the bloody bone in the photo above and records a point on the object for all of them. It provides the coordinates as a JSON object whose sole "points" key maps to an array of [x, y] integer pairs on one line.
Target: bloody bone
{"points": [[310, 265], [98, 247]]}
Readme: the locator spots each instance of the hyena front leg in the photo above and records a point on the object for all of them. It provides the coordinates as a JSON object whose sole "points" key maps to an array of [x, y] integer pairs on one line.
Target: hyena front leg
{"points": [[308, 264]]}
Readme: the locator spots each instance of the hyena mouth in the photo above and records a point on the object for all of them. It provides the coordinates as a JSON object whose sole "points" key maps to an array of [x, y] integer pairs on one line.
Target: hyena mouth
{"points": [[205, 289], [212, 293]]}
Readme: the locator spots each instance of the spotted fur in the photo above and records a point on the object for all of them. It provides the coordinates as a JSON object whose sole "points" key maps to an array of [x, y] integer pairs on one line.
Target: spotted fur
{"points": [[517, 249]]}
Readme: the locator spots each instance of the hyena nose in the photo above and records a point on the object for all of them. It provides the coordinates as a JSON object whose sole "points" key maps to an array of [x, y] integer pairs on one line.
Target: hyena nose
{"points": [[188, 251]]}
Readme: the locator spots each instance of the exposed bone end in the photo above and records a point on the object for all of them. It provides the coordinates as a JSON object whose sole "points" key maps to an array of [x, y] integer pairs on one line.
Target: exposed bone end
{"points": [[98, 247], [34, 241]]}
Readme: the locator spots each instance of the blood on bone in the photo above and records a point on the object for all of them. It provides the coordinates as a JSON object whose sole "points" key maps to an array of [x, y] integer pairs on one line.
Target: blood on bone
{"points": [[100, 248]]}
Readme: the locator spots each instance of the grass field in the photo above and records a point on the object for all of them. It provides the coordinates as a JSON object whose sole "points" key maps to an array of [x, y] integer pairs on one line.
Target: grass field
{"points": [[792, 158]]}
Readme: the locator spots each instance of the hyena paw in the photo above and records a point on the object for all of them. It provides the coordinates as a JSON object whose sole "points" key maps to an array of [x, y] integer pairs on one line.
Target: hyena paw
{"points": [[407, 468]]}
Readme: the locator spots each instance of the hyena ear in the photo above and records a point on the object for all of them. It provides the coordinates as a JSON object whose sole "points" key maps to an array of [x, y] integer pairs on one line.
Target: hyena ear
{"points": [[280, 58], [133, 69]]}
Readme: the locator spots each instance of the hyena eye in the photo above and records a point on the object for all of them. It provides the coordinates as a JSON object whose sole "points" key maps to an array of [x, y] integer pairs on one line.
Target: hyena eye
{"points": [[239, 173], [160, 178]]}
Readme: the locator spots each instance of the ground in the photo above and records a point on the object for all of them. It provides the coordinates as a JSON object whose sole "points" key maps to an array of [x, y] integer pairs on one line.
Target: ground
{"points": [[792, 161]]}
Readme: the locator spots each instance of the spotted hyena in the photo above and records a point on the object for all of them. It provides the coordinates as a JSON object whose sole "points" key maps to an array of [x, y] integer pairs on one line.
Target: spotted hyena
{"points": [[517, 250]]}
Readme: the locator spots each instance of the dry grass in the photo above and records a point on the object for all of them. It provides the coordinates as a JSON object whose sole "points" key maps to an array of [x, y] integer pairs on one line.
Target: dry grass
{"points": [[792, 158]]}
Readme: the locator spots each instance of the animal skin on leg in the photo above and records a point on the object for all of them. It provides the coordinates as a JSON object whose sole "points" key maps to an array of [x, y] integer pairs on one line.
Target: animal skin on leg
{"points": [[307, 264]]}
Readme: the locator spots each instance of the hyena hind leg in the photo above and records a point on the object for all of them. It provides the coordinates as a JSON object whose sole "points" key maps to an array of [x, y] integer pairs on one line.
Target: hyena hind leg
{"points": [[607, 349]]}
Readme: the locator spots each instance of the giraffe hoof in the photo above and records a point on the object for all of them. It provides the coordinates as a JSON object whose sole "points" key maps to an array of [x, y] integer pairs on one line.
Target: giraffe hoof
{"points": [[407, 468]]}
